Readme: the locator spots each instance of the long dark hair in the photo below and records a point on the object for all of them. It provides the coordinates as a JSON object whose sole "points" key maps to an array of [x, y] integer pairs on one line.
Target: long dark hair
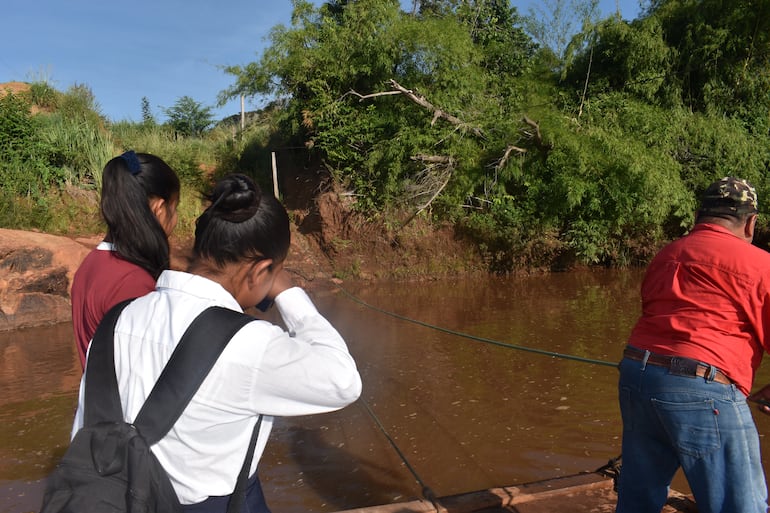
{"points": [[128, 183], [241, 224]]}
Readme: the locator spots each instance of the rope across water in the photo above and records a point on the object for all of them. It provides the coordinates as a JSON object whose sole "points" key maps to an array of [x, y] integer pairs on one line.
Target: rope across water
{"points": [[481, 339], [426, 491]]}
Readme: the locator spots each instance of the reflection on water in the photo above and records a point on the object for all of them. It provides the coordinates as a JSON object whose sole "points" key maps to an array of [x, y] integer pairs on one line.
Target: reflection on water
{"points": [[39, 376], [465, 414]]}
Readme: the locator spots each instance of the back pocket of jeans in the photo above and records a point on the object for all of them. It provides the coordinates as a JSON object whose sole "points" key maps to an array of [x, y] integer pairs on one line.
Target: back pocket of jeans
{"points": [[692, 426]]}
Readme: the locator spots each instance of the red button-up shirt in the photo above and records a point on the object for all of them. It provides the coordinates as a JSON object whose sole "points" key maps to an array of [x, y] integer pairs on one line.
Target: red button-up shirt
{"points": [[706, 296]]}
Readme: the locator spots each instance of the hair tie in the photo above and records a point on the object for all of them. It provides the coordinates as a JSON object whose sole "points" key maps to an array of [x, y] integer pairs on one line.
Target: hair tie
{"points": [[132, 161]]}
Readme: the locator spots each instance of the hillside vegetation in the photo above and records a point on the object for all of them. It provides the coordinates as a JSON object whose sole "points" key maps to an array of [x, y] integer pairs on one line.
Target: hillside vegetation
{"points": [[449, 118]]}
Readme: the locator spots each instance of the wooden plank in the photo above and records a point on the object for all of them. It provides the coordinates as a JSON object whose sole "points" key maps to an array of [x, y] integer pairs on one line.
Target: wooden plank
{"points": [[589, 492]]}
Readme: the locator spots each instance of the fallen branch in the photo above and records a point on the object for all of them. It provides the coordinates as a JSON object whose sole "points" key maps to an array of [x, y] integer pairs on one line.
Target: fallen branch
{"points": [[537, 135], [435, 159], [431, 181], [362, 97], [437, 113], [422, 102], [436, 192], [504, 159]]}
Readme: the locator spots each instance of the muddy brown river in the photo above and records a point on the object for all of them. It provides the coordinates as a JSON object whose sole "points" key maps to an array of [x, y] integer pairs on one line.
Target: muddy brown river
{"points": [[499, 408]]}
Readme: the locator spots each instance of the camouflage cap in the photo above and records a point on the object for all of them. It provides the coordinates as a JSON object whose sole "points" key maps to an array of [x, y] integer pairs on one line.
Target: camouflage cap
{"points": [[729, 196]]}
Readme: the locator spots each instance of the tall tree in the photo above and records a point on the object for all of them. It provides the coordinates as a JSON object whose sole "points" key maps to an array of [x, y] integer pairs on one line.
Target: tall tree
{"points": [[496, 28], [710, 55], [723, 54], [147, 117], [615, 55], [436, 7], [317, 63], [552, 23], [189, 117]]}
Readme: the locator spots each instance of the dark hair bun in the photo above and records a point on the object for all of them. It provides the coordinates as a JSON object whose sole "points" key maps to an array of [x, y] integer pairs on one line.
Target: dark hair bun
{"points": [[235, 198]]}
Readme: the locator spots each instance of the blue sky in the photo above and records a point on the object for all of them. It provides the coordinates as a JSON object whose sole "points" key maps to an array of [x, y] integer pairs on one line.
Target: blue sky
{"points": [[161, 49]]}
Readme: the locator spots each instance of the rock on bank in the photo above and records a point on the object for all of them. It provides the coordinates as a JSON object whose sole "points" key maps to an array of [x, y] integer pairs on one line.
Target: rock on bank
{"points": [[36, 272]]}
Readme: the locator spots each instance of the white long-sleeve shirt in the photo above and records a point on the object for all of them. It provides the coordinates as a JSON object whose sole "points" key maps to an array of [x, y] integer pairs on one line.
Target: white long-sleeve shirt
{"points": [[263, 370]]}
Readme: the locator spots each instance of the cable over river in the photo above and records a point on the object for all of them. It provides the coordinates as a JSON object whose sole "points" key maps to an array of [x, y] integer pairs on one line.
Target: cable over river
{"points": [[468, 384]]}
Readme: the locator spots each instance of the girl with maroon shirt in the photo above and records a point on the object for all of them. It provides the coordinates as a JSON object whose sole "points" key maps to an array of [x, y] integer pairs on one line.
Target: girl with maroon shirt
{"points": [[140, 193]]}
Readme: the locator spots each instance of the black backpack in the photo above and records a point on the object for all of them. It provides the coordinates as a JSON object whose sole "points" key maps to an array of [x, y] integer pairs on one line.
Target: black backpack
{"points": [[109, 467]]}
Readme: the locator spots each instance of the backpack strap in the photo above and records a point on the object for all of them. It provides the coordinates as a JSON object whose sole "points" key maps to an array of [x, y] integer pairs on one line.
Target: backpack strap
{"points": [[192, 359], [194, 356], [102, 398], [235, 505]]}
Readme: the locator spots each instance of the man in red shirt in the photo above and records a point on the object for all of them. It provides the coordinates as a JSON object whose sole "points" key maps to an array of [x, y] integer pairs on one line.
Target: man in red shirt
{"points": [[690, 363]]}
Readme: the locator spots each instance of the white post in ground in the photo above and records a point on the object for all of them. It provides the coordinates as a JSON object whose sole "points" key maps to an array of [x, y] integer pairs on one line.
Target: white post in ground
{"points": [[243, 114], [275, 176]]}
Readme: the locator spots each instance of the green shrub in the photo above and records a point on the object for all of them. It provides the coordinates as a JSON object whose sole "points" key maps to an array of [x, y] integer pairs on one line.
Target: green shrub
{"points": [[43, 95], [78, 150], [23, 167]]}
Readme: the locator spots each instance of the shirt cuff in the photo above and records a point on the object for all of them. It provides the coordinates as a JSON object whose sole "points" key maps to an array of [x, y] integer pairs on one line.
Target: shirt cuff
{"points": [[294, 305]]}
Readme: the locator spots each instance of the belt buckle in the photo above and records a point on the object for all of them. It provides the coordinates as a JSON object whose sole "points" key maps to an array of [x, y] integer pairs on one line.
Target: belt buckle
{"points": [[683, 366]]}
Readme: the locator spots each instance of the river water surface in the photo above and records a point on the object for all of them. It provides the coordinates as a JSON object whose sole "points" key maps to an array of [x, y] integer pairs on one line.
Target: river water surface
{"points": [[463, 413]]}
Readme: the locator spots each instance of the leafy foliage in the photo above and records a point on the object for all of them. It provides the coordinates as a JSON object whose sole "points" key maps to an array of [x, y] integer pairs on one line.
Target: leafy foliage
{"points": [[597, 167], [369, 139], [23, 166], [617, 56], [539, 157], [43, 95], [189, 117], [709, 55]]}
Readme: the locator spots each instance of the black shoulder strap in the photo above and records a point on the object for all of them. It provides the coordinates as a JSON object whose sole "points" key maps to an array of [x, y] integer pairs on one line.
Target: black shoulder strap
{"points": [[102, 398], [192, 359], [238, 496]]}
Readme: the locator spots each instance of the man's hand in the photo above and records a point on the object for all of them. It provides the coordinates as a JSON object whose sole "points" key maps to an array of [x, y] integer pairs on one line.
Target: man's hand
{"points": [[762, 398]]}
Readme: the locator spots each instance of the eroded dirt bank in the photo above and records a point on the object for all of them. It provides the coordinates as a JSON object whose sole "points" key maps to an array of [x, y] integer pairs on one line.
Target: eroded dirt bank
{"points": [[329, 242]]}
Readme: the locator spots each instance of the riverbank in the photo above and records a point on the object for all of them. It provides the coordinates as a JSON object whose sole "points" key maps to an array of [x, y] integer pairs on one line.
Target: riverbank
{"points": [[329, 242]]}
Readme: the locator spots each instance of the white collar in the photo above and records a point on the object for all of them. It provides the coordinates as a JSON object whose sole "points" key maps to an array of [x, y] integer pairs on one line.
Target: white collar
{"points": [[198, 286], [105, 246]]}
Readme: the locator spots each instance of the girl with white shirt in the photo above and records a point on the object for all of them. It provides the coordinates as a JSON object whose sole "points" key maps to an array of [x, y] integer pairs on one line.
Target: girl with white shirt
{"points": [[241, 241]]}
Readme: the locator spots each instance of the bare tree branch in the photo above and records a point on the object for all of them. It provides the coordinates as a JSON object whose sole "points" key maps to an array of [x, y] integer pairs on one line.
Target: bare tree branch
{"points": [[431, 181], [422, 102], [585, 86], [536, 135], [437, 113], [439, 168], [434, 159], [504, 159], [362, 97]]}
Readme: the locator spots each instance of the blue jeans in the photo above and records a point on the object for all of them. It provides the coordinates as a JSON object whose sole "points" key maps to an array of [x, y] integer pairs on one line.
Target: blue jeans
{"points": [[703, 426]]}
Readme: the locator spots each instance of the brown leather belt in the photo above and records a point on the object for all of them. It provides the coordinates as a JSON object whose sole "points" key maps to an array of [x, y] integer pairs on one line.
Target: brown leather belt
{"points": [[678, 365]]}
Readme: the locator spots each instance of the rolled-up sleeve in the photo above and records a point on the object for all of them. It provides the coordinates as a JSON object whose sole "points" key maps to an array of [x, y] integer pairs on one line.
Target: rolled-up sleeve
{"points": [[306, 369]]}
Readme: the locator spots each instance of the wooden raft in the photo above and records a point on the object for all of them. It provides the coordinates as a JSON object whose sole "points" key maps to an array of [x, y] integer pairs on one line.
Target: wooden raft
{"points": [[590, 492]]}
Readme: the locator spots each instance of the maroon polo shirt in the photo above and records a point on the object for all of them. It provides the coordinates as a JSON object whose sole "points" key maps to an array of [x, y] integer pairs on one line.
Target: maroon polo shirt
{"points": [[102, 281]]}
